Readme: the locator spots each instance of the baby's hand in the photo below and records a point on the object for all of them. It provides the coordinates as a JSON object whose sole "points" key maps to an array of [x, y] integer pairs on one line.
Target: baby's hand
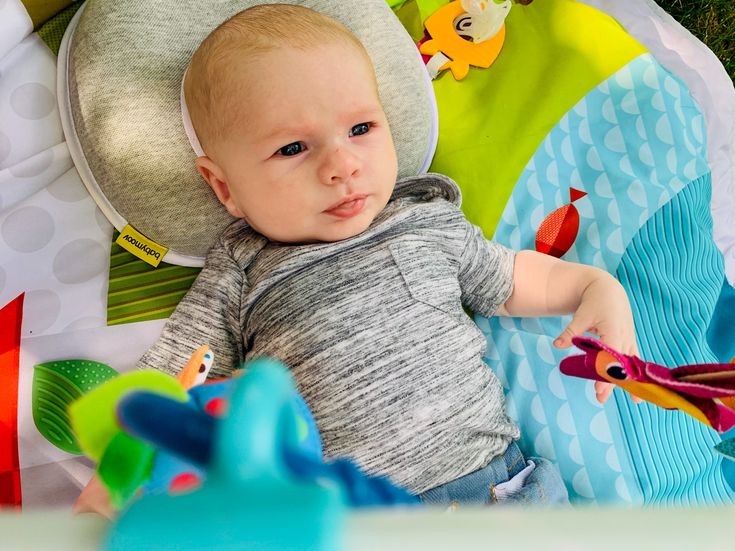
{"points": [[95, 499], [603, 311]]}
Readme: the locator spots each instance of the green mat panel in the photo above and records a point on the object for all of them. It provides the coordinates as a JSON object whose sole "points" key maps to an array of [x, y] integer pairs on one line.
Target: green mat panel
{"points": [[140, 292]]}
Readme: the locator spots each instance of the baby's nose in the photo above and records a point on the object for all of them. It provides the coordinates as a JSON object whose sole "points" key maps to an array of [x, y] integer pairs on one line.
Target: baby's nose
{"points": [[340, 166]]}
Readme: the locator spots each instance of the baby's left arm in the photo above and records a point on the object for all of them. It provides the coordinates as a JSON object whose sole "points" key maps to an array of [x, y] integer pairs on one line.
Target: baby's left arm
{"points": [[546, 286]]}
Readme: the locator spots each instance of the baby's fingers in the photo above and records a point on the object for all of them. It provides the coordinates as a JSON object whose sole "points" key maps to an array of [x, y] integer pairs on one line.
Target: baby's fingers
{"points": [[578, 326], [95, 498], [603, 391], [633, 349]]}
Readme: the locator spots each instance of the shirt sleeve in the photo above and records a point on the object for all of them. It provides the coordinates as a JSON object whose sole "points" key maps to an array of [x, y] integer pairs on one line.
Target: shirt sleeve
{"points": [[485, 272], [208, 314]]}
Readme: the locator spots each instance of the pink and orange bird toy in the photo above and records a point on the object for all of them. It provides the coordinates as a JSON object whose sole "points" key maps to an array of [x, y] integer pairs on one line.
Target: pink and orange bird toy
{"points": [[704, 391]]}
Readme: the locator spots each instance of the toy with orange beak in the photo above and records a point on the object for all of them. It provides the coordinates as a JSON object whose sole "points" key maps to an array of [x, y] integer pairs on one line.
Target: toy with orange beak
{"points": [[197, 368], [124, 463], [693, 389]]}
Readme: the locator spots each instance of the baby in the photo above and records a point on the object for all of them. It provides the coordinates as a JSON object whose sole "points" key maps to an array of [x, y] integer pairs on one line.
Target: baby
{"points": [[355, 281]]}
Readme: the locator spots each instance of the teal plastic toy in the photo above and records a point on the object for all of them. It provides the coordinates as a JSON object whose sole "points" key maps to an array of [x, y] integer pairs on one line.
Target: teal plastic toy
{"points": [[249, 499]]}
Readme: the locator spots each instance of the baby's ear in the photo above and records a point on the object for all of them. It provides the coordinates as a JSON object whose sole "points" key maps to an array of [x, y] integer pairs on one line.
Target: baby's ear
{"points": [[215, 177]]}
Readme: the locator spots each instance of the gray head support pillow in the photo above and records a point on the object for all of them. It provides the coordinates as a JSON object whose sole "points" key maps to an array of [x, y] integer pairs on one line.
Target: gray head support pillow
{"points": [[119, 82]]}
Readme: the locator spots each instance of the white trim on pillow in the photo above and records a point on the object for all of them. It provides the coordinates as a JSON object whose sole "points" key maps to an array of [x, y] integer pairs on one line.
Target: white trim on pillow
{"points": [[434, 138]]}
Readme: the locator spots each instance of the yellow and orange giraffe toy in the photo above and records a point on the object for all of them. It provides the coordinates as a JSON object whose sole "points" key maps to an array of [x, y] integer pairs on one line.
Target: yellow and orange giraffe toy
{"points": [[464, 33]]}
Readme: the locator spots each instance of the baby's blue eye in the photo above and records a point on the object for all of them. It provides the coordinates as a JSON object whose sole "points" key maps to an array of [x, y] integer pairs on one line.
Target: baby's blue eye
{"points": [[360, 129], [291, 149]]}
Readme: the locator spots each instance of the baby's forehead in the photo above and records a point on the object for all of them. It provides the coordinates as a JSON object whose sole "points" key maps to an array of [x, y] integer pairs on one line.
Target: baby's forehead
{"points": [[233, 78], [241, 55], [245, 72]]}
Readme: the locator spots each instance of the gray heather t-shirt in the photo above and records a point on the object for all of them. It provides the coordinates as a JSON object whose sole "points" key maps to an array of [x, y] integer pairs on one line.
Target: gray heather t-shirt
{"points": [[373, 330]]}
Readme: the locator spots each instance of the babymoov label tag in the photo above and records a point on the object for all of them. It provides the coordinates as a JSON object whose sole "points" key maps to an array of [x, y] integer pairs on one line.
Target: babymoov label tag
{"points": [[146, 249]]}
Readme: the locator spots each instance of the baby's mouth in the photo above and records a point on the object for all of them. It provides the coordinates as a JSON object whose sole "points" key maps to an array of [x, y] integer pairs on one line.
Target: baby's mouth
{"points": [[349, 206]]}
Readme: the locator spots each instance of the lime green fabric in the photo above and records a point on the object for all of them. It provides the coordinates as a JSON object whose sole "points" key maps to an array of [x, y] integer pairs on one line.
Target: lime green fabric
{"points": [[491, 122], [52, 31], [425, 7], [410, 16], [413, 13], [42, 11]]}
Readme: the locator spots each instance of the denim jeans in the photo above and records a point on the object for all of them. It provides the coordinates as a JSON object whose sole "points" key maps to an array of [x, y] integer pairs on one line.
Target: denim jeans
{"points": [[507, 479]]}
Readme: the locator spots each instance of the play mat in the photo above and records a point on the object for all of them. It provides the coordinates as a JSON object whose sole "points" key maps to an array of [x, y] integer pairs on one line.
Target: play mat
{"points": [[603, 133]]}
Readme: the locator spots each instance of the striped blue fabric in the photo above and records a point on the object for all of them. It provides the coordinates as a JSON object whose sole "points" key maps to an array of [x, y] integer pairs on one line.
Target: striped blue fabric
{"points": [[721, 332], [672, 453]]}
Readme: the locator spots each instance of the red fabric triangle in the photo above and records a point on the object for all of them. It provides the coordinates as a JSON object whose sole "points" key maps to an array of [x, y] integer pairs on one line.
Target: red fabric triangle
{"points": [[575, 194]]}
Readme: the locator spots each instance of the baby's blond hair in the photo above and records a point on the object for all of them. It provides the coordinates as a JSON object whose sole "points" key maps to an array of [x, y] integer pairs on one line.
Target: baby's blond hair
{"points": [[209, 87]]}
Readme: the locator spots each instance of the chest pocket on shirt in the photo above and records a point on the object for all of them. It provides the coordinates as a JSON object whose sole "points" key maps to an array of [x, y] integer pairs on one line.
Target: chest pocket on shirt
{"points": [[429, 276]]}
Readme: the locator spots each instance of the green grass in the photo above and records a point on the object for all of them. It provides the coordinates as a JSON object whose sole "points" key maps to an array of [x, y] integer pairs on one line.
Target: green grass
{"points": [[712, 21]]}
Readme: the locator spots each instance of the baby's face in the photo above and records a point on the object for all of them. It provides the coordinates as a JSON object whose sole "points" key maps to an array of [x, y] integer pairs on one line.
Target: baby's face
{"points": [[313, 159]]}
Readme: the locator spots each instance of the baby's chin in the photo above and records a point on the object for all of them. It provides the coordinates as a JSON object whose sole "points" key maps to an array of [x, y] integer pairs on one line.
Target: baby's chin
{"points": [[326, 233], [339, 232]]}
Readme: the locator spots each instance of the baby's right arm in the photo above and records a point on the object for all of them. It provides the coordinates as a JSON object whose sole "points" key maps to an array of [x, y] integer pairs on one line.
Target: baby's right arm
{"points": [[208, 314], [547, 286]]}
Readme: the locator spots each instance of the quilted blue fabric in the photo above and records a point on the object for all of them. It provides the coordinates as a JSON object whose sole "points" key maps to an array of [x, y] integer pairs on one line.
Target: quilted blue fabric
{"points": [[636, 146]]}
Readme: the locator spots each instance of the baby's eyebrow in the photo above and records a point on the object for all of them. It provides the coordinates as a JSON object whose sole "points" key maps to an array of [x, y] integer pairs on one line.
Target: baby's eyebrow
{"points": [[294, 131], [283, 133], [276, 131], [367, 112]]}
